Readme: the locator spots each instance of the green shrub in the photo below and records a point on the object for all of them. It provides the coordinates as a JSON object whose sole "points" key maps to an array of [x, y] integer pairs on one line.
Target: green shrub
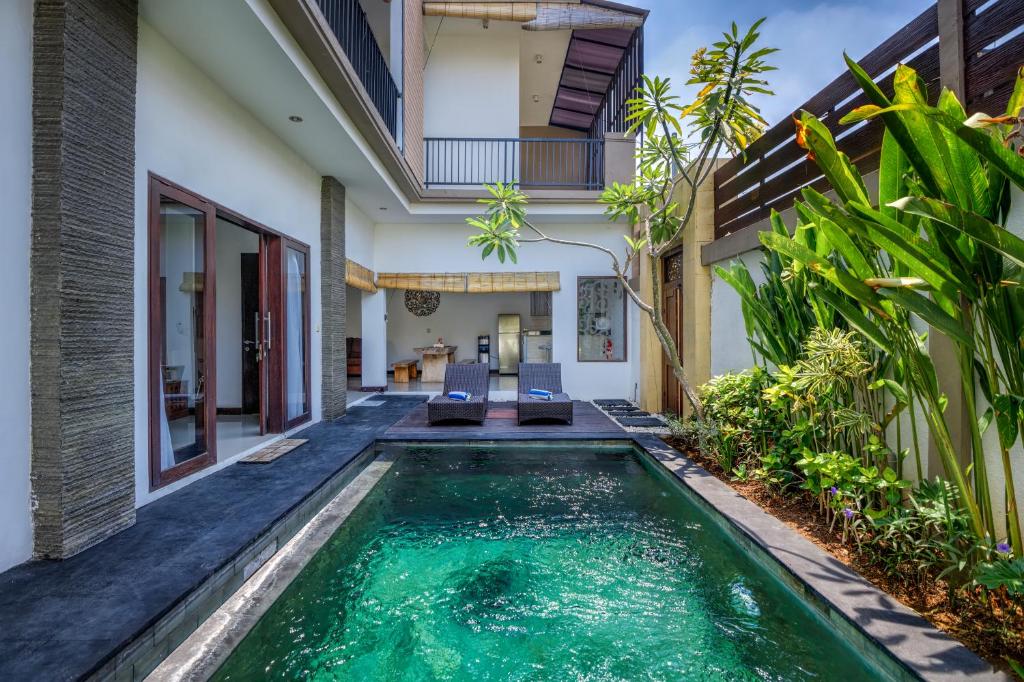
{"points": [[930, 535]]}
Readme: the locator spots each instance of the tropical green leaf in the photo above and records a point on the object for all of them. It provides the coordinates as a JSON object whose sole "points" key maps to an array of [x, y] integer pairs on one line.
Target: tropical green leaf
{"points": [[931, 313], [1008, 415], [971, 224], [823, 267], [814, 136]]}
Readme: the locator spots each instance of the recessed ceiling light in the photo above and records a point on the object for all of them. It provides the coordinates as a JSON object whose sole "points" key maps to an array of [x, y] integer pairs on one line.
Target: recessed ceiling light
{"points": [[539, 58], [295, 119]]}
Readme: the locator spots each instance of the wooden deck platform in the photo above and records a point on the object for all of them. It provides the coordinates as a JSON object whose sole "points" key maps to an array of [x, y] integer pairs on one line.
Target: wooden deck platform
{"points": [[589, 423]]}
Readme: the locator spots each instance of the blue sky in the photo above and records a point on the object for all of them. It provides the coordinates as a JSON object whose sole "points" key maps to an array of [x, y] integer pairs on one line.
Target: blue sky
{"points": [[810, 34]]}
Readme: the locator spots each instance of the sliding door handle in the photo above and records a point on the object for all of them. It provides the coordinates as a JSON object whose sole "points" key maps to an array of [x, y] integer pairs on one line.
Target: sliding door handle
{"points": [[268, 337]]}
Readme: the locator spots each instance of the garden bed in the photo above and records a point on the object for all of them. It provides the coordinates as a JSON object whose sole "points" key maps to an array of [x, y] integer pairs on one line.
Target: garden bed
{"points": [[993, 634]]}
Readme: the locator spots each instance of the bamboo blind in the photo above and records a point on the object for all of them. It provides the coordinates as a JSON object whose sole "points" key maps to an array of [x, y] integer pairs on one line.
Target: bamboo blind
{"points": [[471, 282], [489, 282], [358, 276], [447, 282]]}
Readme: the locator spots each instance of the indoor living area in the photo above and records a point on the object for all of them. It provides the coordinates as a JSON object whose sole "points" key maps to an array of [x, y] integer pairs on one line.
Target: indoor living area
{"points": [[428, 329]]}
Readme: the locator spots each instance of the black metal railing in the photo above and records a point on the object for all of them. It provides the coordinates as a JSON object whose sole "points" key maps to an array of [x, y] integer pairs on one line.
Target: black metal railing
{"points": [[611, 115], [566, 163], [349, 24]]}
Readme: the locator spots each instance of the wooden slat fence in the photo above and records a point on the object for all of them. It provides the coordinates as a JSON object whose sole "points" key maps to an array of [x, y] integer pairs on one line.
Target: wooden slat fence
{"points": [[775, 169], [993, 51]]}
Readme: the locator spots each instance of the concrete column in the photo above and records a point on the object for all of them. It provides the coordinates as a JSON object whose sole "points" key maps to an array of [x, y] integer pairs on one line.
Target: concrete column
{"points": [[332, 296], [375, 339], [696, 304], [697, 285], [619, 158], [651, 365], [82, 262]]}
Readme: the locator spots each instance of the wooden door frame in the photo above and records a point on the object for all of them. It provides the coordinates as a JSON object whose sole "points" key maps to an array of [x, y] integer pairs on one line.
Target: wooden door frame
{"points": [[157, 477], [272, 291], [669, 382]]}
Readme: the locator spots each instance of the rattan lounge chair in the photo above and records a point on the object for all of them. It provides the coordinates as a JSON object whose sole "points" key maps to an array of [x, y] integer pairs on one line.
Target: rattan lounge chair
{"points": [[546, 377], [471, 378]]}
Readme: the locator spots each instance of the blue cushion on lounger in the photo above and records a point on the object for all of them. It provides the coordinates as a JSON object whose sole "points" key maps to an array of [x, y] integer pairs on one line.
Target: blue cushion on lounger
{"points": [[460, 395]]}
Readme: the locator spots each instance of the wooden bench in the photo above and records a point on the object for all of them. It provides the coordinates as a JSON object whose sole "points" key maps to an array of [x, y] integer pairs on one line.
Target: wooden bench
{"points": [[404, 371]]}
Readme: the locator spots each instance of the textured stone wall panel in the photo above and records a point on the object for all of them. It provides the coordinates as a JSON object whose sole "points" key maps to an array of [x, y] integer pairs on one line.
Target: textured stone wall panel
{"points": [[83, 258], [332, 296]]}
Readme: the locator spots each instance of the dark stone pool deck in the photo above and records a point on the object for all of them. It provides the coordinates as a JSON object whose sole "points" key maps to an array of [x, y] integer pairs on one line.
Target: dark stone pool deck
{"points": [[77, 618], [63, 620]]}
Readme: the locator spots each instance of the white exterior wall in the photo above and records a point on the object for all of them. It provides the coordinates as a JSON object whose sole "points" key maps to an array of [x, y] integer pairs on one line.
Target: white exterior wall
{"points": [[359, 230], [190, 133], [471, 83], [15, 198], [442, 248], [730, 351]]}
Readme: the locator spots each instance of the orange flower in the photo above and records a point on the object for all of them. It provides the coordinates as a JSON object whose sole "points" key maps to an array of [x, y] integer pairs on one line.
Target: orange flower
{"points": [[801, 137]]}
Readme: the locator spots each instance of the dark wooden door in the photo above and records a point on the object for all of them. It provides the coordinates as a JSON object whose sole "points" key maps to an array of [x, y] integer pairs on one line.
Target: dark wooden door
{"points": [[251, 347], [672, 302]]}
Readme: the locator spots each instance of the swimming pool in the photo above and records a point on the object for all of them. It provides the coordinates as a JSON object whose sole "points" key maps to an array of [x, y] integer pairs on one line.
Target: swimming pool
{"points": [[510, 562]]}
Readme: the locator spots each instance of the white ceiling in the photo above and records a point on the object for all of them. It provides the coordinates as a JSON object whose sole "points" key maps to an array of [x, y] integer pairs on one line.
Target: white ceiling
{"points": [[540, 79], [534, 79]]}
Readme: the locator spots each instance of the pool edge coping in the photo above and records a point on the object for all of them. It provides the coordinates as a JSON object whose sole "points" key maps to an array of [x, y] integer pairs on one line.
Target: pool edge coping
{"points": [[206, 649], [903, 634]]}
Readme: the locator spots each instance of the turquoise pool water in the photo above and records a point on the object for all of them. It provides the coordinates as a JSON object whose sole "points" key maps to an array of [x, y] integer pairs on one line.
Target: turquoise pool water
{"points": [[535, 564]]}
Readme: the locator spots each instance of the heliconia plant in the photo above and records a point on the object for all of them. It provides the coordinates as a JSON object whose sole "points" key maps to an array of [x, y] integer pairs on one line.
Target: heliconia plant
{"points": [[934, 248]]}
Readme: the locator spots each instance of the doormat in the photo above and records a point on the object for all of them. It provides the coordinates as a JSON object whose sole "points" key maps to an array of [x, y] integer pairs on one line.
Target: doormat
{"points": [[272, 452]]}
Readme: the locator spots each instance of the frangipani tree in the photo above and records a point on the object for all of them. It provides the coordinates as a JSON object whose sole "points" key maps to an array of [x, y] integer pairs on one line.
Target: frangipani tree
{"points": [[679, 147]]}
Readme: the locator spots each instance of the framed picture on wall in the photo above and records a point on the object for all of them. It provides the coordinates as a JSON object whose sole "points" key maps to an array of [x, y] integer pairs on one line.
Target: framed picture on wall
{"points": [[600, 320]]}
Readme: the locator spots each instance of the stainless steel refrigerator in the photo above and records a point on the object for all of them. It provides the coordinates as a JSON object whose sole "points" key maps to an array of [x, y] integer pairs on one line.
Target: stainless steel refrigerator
{"points": [[508, 344]]}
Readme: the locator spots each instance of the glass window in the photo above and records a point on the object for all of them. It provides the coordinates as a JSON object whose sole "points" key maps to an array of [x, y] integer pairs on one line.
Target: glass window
{"points": [[295, 334], [601, 320], [183, 348]]}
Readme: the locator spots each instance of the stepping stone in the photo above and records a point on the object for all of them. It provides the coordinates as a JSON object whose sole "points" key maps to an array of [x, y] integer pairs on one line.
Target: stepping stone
{"points": [[628, 413], [618, 402], [640, 421]]}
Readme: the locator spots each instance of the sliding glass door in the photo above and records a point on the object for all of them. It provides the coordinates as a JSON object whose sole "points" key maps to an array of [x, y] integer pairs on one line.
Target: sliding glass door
{"points": [[182, 320], [259, 323], [296, 339]]}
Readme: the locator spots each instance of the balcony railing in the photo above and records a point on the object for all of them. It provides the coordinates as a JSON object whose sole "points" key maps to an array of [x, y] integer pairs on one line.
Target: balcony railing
{"points": [[556, 163], [611, 116], [349, 24]]}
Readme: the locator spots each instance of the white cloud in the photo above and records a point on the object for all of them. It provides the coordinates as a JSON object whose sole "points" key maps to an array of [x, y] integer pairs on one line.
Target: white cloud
{"points": [[811, 43]]}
